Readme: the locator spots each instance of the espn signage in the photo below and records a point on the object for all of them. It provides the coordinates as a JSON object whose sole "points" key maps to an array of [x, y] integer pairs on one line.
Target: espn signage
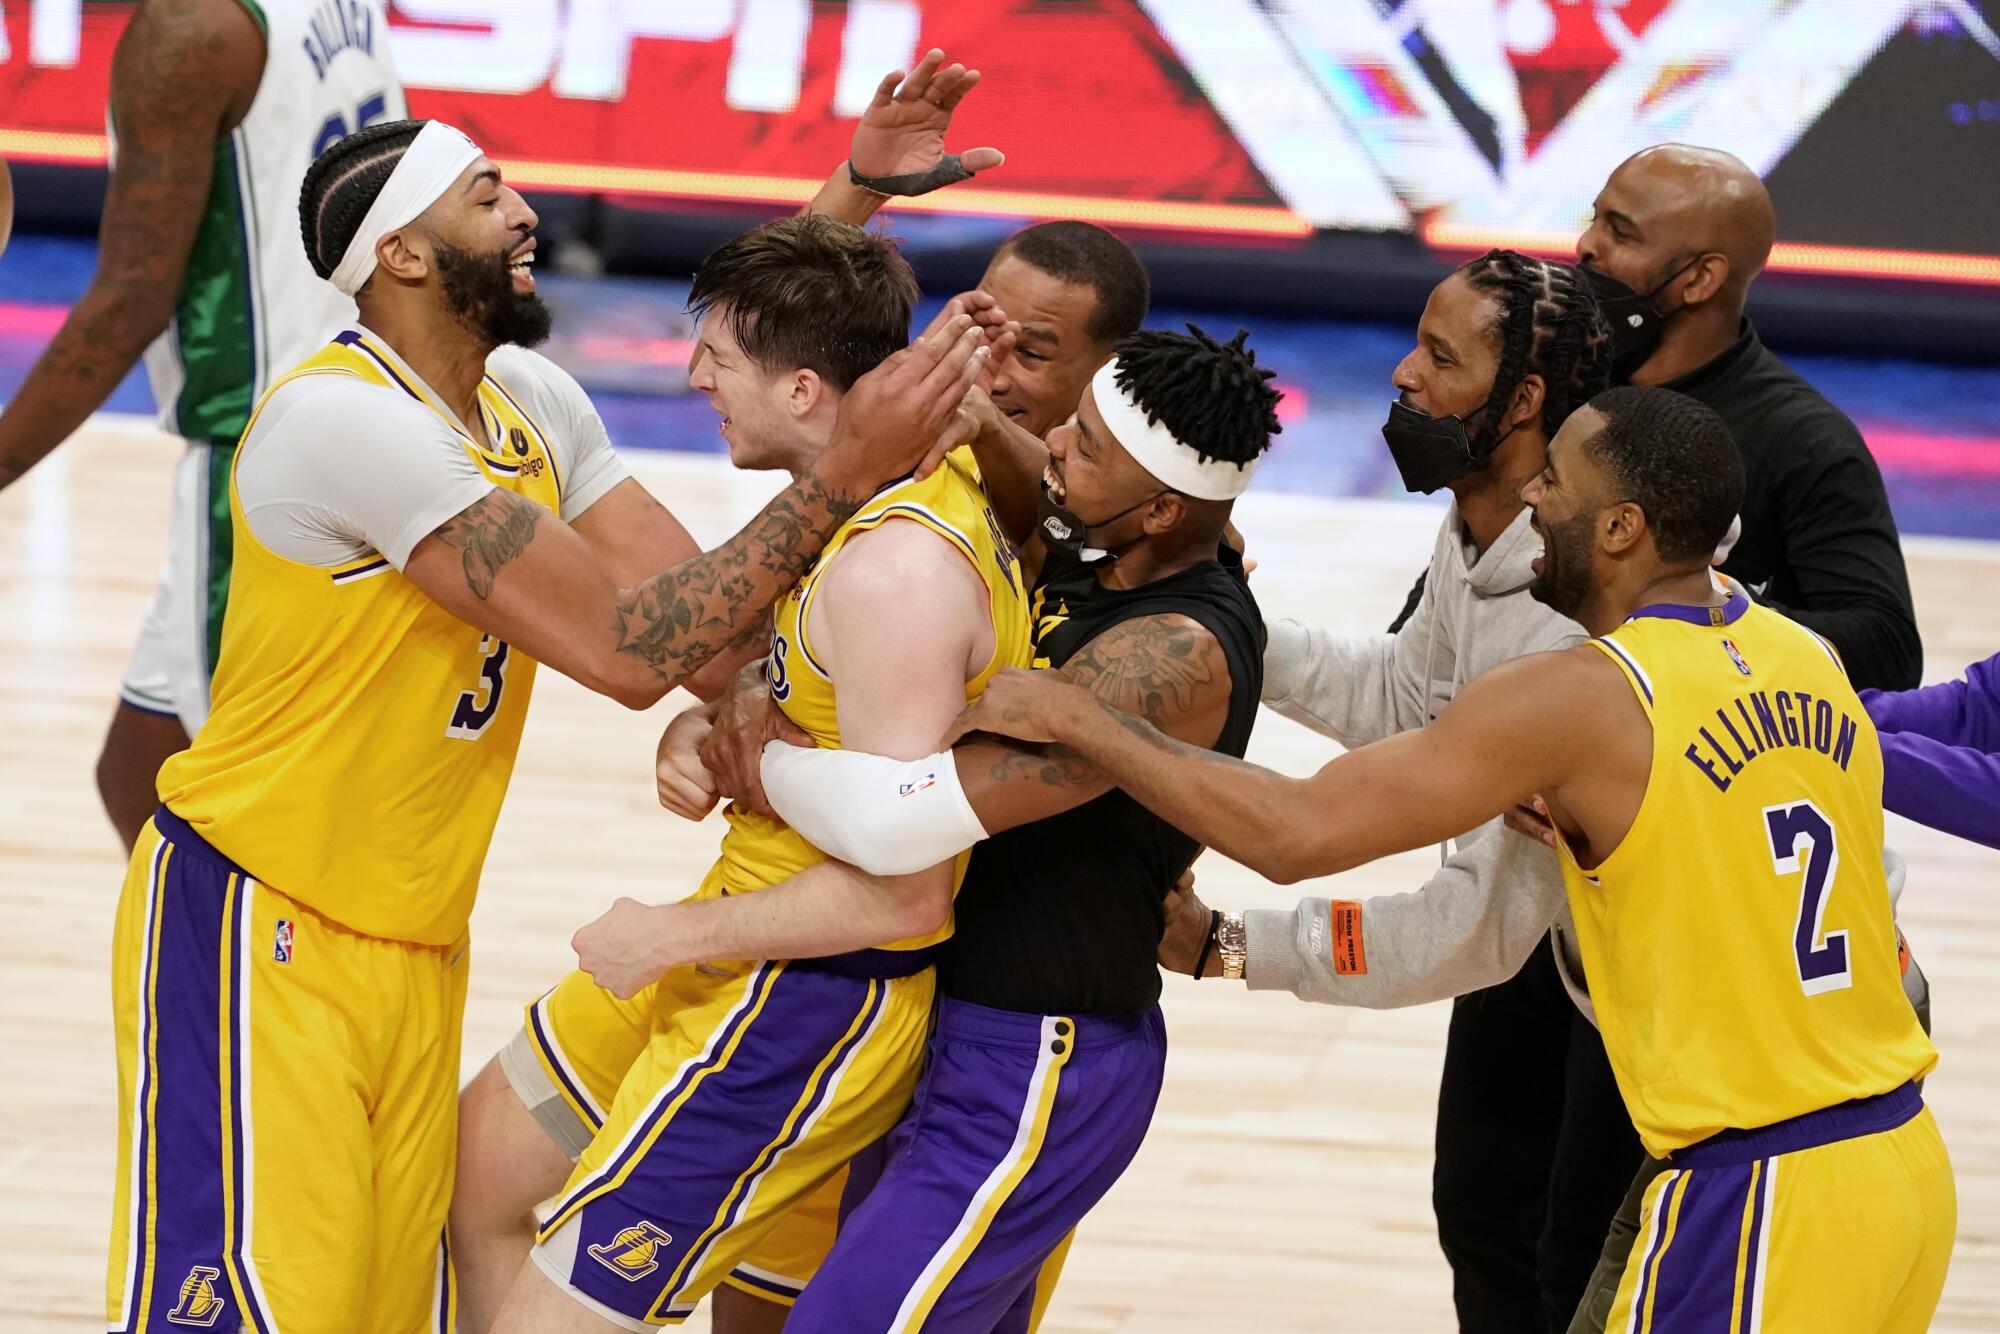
{"points": [[1240, 117]]}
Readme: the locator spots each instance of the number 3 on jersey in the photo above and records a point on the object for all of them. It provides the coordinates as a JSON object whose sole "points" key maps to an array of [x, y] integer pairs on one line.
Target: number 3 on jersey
{"points": [[1802, 841], [477, 707]]}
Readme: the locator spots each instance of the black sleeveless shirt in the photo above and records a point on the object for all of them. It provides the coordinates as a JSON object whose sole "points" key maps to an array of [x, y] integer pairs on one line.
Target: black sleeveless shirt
{"points": [[1063, 916]]}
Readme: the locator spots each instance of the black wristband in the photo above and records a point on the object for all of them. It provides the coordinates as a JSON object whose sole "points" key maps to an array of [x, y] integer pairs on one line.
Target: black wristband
{"points": [[1201, 959], [948, 171]]}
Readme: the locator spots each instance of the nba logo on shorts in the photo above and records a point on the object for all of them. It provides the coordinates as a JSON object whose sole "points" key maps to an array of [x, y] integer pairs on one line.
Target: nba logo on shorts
{"points": [[1735, 656], [632, 1254], [199, 1304], [281, 942], [906, 789]]}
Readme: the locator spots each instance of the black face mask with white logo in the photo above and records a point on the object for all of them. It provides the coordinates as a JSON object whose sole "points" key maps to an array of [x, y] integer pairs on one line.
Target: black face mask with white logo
{"points": [[1064, 530], [1637, 326], [1432, 452]]}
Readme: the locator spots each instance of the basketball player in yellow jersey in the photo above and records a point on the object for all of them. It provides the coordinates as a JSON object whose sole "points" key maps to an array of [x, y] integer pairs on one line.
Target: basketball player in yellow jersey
{"points": [[420, 515], [1717, 788], [760, 1080]]}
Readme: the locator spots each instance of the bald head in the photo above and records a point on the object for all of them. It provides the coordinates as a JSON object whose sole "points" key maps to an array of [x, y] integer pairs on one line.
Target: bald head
{"points": [[1708, 198], [1693, 226]]}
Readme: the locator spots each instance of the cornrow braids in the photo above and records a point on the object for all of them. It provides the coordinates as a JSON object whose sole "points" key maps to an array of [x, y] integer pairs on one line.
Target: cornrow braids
{"points": [[1213, 396], [342, 184], [1550, 325]]}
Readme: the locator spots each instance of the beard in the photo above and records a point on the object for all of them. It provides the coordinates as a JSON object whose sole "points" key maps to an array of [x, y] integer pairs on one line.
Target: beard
{"points": [[1565, 578], [479, 292]]}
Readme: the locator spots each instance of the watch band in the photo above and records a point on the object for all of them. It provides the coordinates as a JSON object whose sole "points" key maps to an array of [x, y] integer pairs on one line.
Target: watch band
{"points": [[1232, 944]]}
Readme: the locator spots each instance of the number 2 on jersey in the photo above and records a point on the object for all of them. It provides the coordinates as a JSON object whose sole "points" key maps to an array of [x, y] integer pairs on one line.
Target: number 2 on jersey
{"points": [[1802, 841], [473, 714]]}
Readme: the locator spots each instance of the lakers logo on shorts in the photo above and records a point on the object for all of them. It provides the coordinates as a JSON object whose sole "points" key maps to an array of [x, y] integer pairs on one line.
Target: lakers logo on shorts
{"points": [[631, 1253], [199, 1304]]}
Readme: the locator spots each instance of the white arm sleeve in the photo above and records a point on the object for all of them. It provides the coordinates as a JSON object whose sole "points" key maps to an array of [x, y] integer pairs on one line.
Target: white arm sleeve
{"points": [[337, 468], [888, 817], [557, 404]]}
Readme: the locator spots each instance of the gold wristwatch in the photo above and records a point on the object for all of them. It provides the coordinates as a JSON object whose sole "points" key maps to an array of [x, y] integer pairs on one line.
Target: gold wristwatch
{"points": [[1231, 944]]}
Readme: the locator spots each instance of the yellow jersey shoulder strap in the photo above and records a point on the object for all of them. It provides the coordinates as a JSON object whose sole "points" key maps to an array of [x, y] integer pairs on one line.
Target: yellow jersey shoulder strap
{"points": [[1628, 663], [949, 502]]}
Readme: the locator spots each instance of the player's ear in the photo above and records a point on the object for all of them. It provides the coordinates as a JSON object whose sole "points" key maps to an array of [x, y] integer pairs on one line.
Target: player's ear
{"points": [[805, 393], [1620, 527], [406, 253]]}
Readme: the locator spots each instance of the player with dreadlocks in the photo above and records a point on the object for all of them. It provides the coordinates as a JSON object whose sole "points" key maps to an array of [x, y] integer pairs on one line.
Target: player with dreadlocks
{"points": [[1048, 1032], [423, 510], [1507, 348]]}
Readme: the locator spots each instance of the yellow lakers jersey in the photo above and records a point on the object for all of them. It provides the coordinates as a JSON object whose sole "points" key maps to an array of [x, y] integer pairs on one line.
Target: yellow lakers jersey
{"points": [[1739, 945], [362, 737], [759, 851]]}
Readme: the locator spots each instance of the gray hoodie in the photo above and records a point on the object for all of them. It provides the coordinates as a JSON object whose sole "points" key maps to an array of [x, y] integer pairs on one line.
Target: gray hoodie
{"points": [[1476, 920], [1481, 914]]}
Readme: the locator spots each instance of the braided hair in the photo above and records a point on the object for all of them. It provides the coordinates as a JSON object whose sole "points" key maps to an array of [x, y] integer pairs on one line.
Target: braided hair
{"points": [[1213, 396], [342, 184], [1549, 325]]}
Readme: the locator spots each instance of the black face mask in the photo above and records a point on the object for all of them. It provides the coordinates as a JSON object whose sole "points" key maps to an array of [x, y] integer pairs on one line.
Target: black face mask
{"points": [[1432, 452], [1637, 326], [1063, 530]]}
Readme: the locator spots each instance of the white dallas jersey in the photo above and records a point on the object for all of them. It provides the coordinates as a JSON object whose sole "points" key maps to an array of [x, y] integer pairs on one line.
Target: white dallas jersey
{"points": [[250, 307]]}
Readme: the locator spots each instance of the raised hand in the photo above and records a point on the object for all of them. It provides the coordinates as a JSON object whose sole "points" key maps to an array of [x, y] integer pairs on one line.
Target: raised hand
{"points": [[902, 131]]}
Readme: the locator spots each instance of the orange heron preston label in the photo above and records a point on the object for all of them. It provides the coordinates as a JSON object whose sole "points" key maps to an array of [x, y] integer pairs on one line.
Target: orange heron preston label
{"points": [[1350, 955]]}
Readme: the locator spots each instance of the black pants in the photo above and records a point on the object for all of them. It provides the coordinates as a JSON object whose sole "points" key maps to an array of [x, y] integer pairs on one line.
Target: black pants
{"points": [[1534, 1153]]}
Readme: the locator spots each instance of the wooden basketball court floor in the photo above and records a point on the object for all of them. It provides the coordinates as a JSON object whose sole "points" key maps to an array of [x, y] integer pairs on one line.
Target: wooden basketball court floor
{"points": [[1285, 1186]]}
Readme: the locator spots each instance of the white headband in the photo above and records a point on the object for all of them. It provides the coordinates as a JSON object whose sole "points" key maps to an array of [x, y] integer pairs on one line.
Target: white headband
{"points": [[1159, 452], [430, 164]]}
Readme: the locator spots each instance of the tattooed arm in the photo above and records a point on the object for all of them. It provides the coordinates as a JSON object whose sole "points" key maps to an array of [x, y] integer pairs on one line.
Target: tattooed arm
{"points": [[184, 74], [1548, 723], [509, 567], [1166, 669], [634, 535]]}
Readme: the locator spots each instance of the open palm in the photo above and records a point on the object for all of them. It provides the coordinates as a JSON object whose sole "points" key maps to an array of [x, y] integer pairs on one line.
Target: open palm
{"points": [[903, 129]]}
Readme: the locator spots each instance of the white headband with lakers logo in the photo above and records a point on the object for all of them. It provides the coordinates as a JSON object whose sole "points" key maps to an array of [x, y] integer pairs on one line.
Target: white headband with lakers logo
{"points": [[430, 164], [1159, 451]]}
